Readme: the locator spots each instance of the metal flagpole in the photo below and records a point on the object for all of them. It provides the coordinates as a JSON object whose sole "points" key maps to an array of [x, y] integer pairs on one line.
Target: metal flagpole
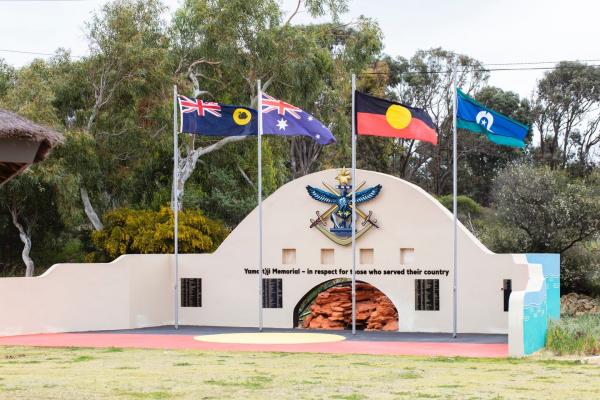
{"points": [[353, 205], [260, 219], [176, 205], [455, 211]]}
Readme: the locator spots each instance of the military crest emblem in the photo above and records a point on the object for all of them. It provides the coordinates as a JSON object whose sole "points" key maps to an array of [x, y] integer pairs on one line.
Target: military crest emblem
{"points": [[339, 213]]}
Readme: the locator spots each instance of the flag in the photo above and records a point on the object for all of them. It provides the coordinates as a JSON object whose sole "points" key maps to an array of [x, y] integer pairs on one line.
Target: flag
{"points": [[380, 117], [281, 118], [498, 128], [215, 119]]}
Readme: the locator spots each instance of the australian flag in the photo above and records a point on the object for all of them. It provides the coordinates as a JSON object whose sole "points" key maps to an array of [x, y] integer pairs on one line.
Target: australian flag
{"points": [[216, 119], [281, 118]]}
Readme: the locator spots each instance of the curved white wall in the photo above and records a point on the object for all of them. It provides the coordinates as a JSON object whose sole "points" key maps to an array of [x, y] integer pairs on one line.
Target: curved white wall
{"points": [[136, 290]]}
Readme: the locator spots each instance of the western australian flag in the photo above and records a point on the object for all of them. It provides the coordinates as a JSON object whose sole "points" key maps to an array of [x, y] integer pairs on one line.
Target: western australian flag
{"points": [[215, 119], [498, 128], [281, 118]]}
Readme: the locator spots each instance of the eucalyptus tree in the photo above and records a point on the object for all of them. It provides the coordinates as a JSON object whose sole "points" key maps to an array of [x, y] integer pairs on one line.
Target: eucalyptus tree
{"points": [[326, 93], [40, 201], [7, 75], [40, 204], [29, 96], [567, 114], [224, 47], [426, 81], [116, 100]]}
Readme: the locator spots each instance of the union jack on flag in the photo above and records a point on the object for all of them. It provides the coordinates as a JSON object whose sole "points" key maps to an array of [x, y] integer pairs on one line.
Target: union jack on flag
{"points": [[272, 104], [201, 107], [297, 123]]}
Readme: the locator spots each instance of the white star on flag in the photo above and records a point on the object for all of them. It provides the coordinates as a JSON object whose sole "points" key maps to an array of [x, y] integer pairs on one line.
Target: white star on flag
{"points": [[310, 118], [282, 124]]}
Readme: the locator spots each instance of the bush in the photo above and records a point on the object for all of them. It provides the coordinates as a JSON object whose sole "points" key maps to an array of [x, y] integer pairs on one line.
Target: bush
{"points": [[500, 237], [552, 209], [575, 335], [465, 205], [580, 269], [128, 231]]}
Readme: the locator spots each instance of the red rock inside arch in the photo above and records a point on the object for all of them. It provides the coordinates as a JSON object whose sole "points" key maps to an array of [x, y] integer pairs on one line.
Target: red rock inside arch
{"points": [[332, 309]]}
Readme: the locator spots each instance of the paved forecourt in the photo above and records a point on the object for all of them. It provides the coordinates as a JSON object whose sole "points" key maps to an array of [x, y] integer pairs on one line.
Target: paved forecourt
{"points": [[277, 340]]}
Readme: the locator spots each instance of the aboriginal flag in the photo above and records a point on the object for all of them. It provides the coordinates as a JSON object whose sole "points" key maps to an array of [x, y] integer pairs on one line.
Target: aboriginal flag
{"points": [[380, 117]]}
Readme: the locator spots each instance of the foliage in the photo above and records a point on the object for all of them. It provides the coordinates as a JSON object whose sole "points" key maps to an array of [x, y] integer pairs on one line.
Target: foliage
{"points": [[581, 269], [31, 95], [575, 335], [7, 75], [142, 231], [499, 236], [417, 81], [464, 204], [41, 202], [567, 115], [552, 209]]}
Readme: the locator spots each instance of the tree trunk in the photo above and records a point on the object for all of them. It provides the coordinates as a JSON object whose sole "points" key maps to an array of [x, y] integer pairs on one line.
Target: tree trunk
{"points": [[89, 209], [187, 165], [26, 239], [304, 153]]}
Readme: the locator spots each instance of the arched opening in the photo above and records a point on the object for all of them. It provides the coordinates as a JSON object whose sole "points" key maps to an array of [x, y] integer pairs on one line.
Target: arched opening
{"points": [[329, 306]]}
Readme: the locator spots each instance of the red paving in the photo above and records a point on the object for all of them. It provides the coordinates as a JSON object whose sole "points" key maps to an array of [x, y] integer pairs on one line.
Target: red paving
{"points": [[155, 341]]}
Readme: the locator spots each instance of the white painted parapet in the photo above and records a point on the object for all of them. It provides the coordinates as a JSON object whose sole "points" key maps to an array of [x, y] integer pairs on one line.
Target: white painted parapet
{"points": [[129, 292]]}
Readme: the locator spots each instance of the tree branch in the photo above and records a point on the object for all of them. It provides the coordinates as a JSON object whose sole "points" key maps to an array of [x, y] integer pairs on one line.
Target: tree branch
{"points": [[246, 178], [293, 14]]}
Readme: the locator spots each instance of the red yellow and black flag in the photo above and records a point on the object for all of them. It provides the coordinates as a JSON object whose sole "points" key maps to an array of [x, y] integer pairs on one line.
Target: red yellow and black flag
{"points": [[380, 117]]}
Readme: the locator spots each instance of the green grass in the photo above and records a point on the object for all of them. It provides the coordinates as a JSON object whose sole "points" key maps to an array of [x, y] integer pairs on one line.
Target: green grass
{"points": [[575, 335], [83, 358], [182, 364], [51, 373]]}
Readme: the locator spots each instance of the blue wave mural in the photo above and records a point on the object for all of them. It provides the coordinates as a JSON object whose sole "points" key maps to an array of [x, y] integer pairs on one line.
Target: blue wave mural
{"points": [[542, 305]]}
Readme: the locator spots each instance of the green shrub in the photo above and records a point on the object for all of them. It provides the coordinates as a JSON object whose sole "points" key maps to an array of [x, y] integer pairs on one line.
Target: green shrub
{"points": [[465, 205], [500, 237], [575, 335], [580, 269], [128, 231]]}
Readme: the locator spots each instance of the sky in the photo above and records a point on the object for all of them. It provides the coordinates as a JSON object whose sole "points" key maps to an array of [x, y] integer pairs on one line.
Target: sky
{"points": [[492, 31]]}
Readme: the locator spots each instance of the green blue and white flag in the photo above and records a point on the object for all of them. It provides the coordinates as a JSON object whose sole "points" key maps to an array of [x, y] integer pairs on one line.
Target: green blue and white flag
{"points": [[498, 128]]}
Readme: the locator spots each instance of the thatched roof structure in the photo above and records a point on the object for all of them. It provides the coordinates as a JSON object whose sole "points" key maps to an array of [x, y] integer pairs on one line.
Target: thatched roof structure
{"points": [[15, 126], [22, 142]]}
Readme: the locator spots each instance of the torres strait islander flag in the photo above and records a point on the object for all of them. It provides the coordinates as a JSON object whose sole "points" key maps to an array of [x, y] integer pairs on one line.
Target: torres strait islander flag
{"points": [[380, 117], [498, 128]]}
